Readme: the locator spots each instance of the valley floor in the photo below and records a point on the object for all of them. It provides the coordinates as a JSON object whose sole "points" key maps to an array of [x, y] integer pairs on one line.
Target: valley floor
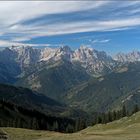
{"points": [[127, 128]]}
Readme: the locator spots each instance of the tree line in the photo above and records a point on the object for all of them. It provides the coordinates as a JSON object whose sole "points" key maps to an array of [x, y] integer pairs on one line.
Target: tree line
{"points": [[104, 118], [12, 115]]}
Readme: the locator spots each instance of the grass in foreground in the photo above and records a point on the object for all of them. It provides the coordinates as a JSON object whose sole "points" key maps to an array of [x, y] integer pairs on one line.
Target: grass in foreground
{"points": [[127, 128]]}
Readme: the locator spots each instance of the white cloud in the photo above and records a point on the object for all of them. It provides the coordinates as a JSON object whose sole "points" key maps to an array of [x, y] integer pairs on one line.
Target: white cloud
{"points": [[99, 41], [31, 31], [21, 39], [5, 43], [105, 40], [80, 26], [13, 13]]}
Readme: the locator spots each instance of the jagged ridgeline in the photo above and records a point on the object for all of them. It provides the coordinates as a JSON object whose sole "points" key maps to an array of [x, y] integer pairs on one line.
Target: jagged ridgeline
{"points": [[21, 59]]}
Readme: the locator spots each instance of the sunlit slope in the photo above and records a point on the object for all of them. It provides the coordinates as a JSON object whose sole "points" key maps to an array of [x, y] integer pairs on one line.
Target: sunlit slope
{"points": [[127, 128]]}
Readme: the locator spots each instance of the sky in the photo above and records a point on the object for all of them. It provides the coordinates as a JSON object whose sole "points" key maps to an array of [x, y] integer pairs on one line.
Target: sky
{"points": [[111, 26]]}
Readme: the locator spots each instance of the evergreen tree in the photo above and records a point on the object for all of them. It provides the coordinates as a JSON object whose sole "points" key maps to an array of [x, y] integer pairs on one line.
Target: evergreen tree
{"points": [[77, 125], [118, 115], [114, 117], [124, 112], [109, 116], [99, 120], [136, 109], [55, 126], [103, 118], [69, 128]]}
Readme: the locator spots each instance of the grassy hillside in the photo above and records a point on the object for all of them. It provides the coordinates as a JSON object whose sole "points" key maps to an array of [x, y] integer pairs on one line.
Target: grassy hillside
{"points": [[125, 129]]}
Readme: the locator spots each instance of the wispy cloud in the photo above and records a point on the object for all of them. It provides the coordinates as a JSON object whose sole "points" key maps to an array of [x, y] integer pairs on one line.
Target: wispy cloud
{"points": [[5, 43], [99, 41], [77, 27], [17, 11], [94, 16]]}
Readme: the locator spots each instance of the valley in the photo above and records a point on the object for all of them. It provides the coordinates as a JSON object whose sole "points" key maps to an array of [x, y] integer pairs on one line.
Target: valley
{"points": [[84, 78]]}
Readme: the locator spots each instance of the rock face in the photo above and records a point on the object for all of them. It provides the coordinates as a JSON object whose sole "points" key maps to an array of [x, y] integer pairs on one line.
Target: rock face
{"points": [[130, 57], [93, 61], [25, 56]]}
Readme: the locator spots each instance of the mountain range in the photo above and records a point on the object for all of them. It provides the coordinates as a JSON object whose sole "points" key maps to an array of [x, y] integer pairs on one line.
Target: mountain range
{"points": [[93, 61], [84, 78]]}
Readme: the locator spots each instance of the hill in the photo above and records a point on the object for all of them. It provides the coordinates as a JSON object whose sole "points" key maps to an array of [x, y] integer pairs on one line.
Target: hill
{"points": [[109, 92], [29, 99], [124, 129]]}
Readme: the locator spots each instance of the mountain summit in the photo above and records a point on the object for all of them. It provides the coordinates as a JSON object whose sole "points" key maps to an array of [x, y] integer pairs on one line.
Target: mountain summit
{"points": [[93, 61], [129, 57]]}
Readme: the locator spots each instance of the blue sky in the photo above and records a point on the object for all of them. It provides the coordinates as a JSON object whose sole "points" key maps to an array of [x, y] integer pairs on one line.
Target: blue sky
{"points": [[104, 25]]}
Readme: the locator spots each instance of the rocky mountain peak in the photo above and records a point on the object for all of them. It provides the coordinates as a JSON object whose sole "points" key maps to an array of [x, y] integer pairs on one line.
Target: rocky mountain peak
{"points": [[94, 61], [63, 52], [65, 48], [128, 57], [83, 53], [89, 58]]}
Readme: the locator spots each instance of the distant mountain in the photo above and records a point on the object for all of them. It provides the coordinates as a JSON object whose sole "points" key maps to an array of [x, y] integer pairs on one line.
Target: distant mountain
{"points": [[26, 55], [83, 77], [128, 57], [110, 92], [52, 71], [9, 68], [94, 61]]}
